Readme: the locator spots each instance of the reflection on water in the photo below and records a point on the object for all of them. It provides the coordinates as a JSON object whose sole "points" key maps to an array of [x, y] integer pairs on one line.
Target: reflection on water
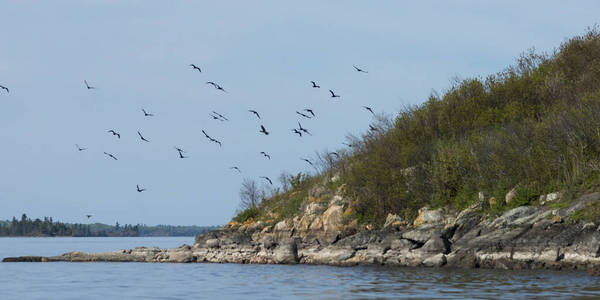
{"points": [[230, 281]]}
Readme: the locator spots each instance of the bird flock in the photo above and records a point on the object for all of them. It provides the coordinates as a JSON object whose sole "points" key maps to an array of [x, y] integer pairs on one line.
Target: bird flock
{"points": [[301, 131]]}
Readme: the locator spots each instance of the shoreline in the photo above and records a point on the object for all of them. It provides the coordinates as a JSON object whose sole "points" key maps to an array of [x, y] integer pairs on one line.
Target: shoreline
{"points": [[527, 237]]}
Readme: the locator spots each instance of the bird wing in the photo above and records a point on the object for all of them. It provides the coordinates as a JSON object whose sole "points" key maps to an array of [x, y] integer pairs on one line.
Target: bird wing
{"points": [[332, 94]]}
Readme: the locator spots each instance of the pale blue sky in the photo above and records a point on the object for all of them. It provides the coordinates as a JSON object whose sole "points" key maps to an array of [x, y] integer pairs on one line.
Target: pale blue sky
{"points": [[264, 53]]}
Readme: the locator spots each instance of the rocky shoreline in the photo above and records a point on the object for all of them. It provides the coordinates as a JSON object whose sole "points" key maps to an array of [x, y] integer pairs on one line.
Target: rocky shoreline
{"points": [[527, 237]]}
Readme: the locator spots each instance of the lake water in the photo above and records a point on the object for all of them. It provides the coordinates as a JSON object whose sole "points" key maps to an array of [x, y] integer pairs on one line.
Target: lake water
{"points": [[230, 281]]}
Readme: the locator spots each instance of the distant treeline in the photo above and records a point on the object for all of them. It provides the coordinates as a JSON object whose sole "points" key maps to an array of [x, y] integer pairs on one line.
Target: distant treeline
{"points": [[48, 227]]}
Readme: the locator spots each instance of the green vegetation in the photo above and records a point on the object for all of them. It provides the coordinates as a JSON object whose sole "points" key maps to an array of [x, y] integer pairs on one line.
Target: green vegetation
{"points": [[534, 127], [48, 227]]}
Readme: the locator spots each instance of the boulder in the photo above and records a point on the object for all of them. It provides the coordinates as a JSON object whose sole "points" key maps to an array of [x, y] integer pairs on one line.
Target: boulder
{"points": [[437, 260], [333, 218], [550, 197], [427, 216], [286, 253], [212, 243]]}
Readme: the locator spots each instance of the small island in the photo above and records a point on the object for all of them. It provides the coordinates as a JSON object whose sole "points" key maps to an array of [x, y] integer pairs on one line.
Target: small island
{"points": [[499, 172]]}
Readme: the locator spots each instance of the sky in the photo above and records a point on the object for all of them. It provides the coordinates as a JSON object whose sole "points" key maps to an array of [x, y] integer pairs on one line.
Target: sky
{"points": [[263, 53]]}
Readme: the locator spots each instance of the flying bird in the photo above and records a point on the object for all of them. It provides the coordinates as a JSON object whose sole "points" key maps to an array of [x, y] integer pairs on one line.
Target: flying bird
{"points": [[142, 137], [194, 67], [254, 112], [263, 130], [4, 88], [310, 111], [216, 117], [314, 85], [359, 69], [349, 145], [236, 168], [297, 132], [308, 161], [218, 87], [88, 216], [110, 155], [303, 129], [333, 95], [146, 114], [304, 115], [80, 148], [179, 149], [265, 155], [267, 179], [220, 115], [115, 133], [372, 128], [89, 87], [137, 186], [369, 109]]}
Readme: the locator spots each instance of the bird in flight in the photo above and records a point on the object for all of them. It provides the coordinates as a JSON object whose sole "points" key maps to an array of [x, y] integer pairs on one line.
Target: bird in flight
{"points": [[314, 85], [218, 87], [180, 151], [372, 128], [308, 161], [115, 133], [137, 186], [216, 117], [146, 114], [194, 67], [254, 112], [267, 179], [110, 155], [89, 87], [211, 139], [263, 130], [142, 137], [88, 216], [369, 109], [4, 88], [236, 168], [297, 132], [265, 155], [304, 115], [220, 116], [80, 148], [349, 145], [359, 69], [310, 111], [333, 95], [303, 129]]}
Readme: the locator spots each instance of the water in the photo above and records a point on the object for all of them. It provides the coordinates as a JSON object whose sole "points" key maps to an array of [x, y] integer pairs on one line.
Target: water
{"points": [[229, 281]]}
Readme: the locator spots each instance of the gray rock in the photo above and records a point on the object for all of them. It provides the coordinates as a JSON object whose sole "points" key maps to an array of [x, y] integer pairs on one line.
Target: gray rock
{"points": [[212, 243], [437, 260], [286, 253]]}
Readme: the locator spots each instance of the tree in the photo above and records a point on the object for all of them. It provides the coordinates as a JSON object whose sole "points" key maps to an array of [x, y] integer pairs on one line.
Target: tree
{"points": [[250, 194]]}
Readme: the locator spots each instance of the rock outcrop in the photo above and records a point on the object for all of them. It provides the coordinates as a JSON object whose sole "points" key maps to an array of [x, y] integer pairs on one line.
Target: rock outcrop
{"points": [[523, 237]]}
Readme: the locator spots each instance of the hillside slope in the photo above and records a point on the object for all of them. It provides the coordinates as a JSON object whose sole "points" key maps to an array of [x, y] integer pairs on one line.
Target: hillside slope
{"points": [[527, 131]]}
